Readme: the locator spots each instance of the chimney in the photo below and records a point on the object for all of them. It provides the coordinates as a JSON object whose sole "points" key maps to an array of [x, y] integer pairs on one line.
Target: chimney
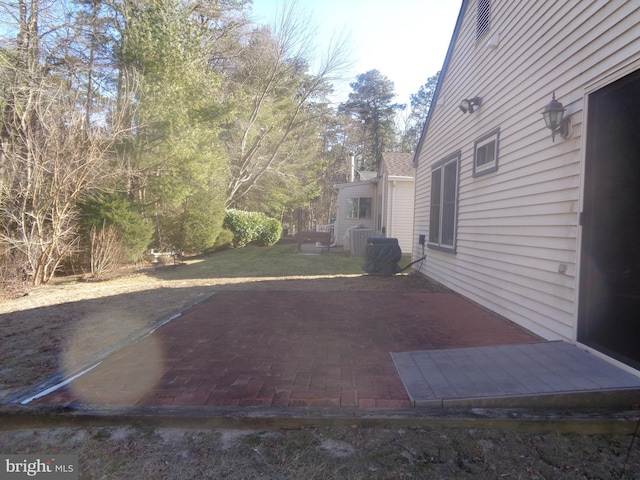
{"points": [[352, 172]]}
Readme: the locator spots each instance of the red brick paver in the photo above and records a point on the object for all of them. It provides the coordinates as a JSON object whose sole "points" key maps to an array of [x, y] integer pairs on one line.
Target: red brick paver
{"points": [[288, 349]]}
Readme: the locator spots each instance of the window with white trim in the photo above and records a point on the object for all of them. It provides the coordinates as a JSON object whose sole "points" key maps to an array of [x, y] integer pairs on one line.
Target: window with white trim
{"points": [[444, 203], [485, 153], [360, 207]]}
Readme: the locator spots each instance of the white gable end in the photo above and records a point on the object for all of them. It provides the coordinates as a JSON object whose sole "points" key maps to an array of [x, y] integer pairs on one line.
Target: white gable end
{"points": [[517, 227]]}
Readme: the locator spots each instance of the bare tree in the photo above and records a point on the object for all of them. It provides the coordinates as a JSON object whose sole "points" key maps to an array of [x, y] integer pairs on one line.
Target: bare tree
{"points": [[107, 251], [51, 153], [276, 98], [51, 160]]}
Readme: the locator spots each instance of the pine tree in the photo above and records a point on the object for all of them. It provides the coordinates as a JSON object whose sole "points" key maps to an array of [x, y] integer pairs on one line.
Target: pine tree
{"points": [[370, 104]]}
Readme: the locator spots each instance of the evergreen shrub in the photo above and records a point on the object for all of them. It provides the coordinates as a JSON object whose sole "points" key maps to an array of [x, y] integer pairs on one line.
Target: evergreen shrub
{"points": [[223, 240], [118, 212], [252, 227], [271, 232]]}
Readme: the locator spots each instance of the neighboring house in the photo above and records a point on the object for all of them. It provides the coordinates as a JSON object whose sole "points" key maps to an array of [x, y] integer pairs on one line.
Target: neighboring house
{"points": [[544, 232], [396, 194], [356, 208], [382, 202]]}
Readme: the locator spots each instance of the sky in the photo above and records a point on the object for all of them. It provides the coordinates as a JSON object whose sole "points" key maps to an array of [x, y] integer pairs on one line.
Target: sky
{"points": [[406, 40]]}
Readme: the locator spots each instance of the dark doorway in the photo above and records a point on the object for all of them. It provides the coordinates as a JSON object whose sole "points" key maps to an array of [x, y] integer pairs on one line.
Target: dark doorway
{"points": [[609, 309]]}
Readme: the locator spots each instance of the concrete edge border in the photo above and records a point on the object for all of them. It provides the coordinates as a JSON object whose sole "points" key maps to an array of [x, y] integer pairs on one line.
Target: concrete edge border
{"points": [[584, 422]]}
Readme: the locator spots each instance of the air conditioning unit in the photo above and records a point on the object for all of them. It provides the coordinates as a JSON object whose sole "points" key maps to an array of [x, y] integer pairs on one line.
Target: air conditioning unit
{"points": [[358, 240]]}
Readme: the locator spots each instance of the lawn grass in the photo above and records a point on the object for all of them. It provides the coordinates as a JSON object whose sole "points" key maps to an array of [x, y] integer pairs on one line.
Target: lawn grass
{"points": [[280, 260]]}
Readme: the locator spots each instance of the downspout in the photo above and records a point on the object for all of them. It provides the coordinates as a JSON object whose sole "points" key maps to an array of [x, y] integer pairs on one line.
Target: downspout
{"points": [[392, 205], [382, 207], [336, 223]]}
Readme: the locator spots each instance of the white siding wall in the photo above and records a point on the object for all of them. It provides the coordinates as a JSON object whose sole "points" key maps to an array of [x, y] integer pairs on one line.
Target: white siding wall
{"points": [[518, 225], [353, 190], [399, 212], [385, 205]]}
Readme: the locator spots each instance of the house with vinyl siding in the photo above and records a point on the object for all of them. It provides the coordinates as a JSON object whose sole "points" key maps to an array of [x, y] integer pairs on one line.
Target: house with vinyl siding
{"points": [[381, 202], [396, 191], [356, 208], [542, 230]]}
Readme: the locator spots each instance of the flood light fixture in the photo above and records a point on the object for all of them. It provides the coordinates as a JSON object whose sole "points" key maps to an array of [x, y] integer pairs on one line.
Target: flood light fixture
{"points": [[467, 104]]}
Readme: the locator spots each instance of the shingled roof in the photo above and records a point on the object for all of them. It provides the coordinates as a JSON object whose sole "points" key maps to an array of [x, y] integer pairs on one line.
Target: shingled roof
{"points": [[399, 164]]}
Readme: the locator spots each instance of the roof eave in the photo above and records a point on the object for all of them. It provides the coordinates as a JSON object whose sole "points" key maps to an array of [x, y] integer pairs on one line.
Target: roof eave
{"points": [[358, 183], [443, 73]]}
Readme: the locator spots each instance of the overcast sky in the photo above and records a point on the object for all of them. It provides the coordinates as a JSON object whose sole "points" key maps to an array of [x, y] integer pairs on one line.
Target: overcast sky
{"points": [[406, 40]]}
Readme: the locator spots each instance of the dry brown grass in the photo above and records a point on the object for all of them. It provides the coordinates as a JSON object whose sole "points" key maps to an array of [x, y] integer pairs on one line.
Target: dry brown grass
{"points": [[329, 453]]}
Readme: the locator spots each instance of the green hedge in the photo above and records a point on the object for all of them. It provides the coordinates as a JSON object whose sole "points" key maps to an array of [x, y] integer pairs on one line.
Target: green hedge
{"points": [[117, 210], [270, 233], [252, 227]]}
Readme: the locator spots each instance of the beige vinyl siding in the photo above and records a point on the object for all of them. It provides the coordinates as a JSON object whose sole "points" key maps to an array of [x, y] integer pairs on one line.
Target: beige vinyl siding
{"points": [[517, 226], [399, 211], [353, 190], [385, 204]]}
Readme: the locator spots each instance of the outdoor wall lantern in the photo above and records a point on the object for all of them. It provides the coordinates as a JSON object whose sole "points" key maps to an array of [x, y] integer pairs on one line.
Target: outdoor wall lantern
{"points": [[467, 104], [552, 115]]}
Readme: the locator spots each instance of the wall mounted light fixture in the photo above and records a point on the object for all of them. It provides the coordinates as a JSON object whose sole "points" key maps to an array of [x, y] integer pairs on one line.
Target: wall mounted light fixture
{"points": [[467, 104], [553, 118]]}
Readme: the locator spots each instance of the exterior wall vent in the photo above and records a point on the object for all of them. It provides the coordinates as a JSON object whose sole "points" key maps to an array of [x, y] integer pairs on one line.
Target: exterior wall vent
{"points": [[484, 18]]}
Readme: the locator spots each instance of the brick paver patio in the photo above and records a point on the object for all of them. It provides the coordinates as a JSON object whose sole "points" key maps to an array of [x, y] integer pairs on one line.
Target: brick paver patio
{"points": [[287, 349]]}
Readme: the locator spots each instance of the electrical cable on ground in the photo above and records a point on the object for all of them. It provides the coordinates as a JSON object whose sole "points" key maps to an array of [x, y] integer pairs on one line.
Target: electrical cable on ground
{"points": [[418, 260]]}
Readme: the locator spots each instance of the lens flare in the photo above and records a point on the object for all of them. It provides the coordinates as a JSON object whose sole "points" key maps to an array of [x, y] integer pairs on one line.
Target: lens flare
{"points": [[125, 375]]}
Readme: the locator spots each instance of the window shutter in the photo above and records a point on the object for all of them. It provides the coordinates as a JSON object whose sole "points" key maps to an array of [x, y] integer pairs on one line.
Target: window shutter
{"points": [[434, 217], [449, 203]]}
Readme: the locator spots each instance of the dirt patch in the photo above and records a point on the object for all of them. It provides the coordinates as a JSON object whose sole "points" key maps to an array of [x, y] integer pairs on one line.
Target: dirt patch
{"points": [[324, 453]]}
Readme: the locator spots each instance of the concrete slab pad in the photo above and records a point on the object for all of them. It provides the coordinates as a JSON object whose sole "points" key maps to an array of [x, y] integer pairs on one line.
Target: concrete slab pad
{"points": [[530, 374]]}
